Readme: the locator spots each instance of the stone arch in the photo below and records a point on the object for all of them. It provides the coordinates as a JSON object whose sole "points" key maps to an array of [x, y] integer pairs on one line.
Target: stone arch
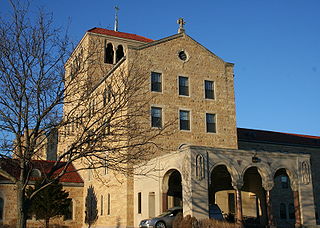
{"points": [[256, 182], [119, 53], [265, 173], [235, 176], [291, 174], [221, 180], [183, 146], [284, 185], [171, 189]]}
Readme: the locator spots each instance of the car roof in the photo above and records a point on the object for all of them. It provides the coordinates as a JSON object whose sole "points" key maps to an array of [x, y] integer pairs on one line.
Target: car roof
{"points": [[175, 208]]}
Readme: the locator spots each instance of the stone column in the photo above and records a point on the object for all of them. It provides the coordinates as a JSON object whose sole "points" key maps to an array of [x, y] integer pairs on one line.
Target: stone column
{"points": [[268, 185], [239, 208], [239, 216], [297, 212], [269, 209], [164, 202]]}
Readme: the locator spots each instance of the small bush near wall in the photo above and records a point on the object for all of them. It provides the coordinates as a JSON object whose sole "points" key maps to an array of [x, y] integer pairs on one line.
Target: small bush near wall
{"points": [[192, 222]]}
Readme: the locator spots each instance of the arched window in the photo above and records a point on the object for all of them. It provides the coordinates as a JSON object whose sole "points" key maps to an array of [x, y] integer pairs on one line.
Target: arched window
{"points": [[119, 53], [283, 211], [199, 167], [1, 208], [108, 54], [35, 173]]}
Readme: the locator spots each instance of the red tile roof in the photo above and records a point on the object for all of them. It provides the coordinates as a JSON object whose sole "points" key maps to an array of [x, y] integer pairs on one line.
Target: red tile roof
{"points": [[277, 137], [119, 34], [71, 175]]}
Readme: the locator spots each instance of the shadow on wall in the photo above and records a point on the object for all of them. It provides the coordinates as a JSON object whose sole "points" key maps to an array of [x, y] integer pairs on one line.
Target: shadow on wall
{"points": [[91, 207]]}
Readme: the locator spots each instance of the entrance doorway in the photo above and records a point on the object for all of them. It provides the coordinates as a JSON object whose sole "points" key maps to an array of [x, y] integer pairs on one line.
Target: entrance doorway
{"points": [[171, 190]]}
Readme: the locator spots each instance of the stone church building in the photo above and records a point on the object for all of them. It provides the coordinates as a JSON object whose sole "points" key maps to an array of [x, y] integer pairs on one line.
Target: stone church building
{"points": [[259, 177]]}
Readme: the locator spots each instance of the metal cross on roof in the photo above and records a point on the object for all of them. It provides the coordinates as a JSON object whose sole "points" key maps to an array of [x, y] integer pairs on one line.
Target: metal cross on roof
{"points": [[116, 26], [181, 23]]}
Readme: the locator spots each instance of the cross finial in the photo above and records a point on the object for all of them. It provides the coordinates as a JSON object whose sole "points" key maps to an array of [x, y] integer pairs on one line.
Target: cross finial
{"points": [[181, 23], [116, 19]]}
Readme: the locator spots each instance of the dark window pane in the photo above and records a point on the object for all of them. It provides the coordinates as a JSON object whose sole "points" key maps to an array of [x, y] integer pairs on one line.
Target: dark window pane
{"points": [[291, 211], [69, 212], [284, 182], [184, 120], [101, 206], [119, 53], [283, 211], [109, 204], [156, 117], [156, 82], [108, 55], [139, 203], [231, 203], [183, 86], [209, 91], [211, 123]]}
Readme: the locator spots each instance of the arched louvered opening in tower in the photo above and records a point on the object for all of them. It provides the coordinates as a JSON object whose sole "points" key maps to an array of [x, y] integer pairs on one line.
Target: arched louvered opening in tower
{"points": [[119, 53], [108, 54]]}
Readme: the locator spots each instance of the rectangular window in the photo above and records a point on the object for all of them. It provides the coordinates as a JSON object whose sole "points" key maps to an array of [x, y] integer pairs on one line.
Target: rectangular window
{"points": [[231, 203], [139, 203], [156, 117], [106, 164], [184, 120], [211, 122], [183, 86], [108, 211], [156, 85], [69, 213], [101, 205], [209, 89]]}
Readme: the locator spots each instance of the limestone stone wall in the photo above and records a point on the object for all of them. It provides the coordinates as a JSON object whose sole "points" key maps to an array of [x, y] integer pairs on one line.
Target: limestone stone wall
{"points": [[8, 193], [163, 57], [200, 65]]}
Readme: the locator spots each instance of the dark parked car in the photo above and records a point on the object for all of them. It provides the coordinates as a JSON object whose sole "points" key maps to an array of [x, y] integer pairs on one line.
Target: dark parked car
{"points": [[162, 221], [215, 212]]}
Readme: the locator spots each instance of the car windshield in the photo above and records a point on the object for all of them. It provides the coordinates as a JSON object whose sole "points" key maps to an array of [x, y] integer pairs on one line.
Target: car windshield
{"points": [[165, 213], [174, 212]]}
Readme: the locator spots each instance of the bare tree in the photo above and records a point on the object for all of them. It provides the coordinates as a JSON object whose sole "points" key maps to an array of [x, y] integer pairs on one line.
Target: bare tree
{"points": [[101, 122]]}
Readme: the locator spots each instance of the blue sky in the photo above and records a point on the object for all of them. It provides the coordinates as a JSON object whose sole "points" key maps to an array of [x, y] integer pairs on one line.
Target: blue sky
{"points": [[275, 45]]}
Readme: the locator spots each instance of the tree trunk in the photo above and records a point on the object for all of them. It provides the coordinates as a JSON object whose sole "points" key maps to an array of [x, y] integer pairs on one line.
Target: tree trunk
{"points": [[21, 207], [47, 222]]}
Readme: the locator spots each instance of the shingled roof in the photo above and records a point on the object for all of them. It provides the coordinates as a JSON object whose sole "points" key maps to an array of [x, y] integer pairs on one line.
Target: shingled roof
{"points": [[71, 175], [252, 135], [119, 34]]}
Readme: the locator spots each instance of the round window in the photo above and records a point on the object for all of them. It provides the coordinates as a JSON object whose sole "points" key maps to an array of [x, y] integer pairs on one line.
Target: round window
{"points": [[182, 55]]}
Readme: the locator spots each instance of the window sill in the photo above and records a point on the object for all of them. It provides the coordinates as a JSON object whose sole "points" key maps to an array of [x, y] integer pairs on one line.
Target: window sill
{"points": [[185, 130]]}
